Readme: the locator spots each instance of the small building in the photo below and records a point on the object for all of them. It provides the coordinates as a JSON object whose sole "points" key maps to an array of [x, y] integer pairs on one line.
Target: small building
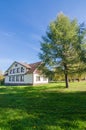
{"points": [[24, 74]]}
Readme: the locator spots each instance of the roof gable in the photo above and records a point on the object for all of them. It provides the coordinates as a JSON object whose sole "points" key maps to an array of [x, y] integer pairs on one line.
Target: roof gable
{"points": [[31, 67], [23, 64]]}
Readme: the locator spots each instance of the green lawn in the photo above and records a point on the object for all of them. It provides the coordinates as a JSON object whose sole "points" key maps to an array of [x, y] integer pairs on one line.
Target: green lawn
{"points": [[44, 107]]}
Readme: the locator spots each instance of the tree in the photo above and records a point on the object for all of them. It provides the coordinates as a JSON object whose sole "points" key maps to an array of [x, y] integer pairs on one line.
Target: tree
{"points": [[1, 77], [59, 46], [82, 44]]}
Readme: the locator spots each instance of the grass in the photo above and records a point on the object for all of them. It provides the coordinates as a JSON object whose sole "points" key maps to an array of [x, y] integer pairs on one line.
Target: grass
{"points": [[44, 107]]}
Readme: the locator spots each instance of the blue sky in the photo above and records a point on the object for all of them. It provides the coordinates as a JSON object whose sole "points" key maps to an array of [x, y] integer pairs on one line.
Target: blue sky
{"points": [[23, 22]]}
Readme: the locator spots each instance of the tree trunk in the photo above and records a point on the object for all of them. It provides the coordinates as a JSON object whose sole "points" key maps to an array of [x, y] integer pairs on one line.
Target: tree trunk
{"points": [[66, 75], [66, 80]]}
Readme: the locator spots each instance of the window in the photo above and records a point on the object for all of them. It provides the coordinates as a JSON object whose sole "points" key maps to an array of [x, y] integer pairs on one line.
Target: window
{"points": [[9, 78], [22, 69], [11, 71], [22, 78], [13, 78], [37, 78], [18, 70], [17, 78]]}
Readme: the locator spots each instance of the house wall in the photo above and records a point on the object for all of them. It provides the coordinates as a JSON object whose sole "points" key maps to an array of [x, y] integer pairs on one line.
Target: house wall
{"points": [[14, 77], [6, 79], [28, 79], [41, 79], [16, 67]]}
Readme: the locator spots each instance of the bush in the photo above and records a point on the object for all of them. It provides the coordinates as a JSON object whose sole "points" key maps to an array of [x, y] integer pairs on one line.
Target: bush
{"points": [[1, 82]]}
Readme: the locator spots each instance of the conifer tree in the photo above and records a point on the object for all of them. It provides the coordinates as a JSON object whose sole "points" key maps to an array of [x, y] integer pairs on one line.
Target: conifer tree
{"points": [[60, 46]]}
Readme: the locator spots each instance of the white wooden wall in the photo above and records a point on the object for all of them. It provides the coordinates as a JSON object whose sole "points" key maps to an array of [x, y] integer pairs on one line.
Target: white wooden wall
{"points": [[41, 79]]}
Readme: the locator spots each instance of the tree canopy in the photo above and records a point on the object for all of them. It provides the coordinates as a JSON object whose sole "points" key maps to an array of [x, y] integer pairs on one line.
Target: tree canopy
{"points": [[61, 47]]}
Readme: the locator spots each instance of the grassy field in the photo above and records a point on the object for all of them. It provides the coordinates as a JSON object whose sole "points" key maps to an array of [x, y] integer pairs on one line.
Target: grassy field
{"points": [[44, 107]]}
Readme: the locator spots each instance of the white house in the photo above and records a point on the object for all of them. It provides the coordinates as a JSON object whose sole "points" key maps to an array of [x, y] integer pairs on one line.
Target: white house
{"points": [[24, 74]]}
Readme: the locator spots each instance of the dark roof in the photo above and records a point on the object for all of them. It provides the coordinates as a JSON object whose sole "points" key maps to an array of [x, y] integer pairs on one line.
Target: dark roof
{"points": [[31, 67], [34, 66]]}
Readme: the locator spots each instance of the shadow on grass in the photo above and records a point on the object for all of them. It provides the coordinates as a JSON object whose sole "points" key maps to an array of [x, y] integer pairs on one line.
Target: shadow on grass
{"points": [[27, 109]]}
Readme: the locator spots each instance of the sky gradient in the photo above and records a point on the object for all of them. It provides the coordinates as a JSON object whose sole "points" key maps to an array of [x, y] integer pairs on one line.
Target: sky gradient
{"points": [[23, 22]]}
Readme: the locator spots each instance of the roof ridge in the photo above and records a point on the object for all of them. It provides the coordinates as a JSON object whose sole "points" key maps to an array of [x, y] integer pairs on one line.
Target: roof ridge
{"points": [[35, 62]]}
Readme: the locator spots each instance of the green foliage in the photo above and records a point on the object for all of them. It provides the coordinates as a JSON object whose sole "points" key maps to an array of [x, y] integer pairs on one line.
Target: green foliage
{"points": [[44, 107], [59, 41], [81, 44], [61, 47], [1, 78]]}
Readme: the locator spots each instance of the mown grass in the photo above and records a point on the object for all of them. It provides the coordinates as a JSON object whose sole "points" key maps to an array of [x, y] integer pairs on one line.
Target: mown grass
{"points": [[44, 107]]}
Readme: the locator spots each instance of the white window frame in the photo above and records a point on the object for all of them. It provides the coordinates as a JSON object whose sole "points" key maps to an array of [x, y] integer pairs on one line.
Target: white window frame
{"points": [[38, 78]]}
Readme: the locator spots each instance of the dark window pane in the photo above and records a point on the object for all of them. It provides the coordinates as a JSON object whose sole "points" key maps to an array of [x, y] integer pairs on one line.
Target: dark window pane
{"points": [[18, 70], [22, 78], [13, 78], [17, 78], [9, 78], [22, 69], [11, 71]]}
